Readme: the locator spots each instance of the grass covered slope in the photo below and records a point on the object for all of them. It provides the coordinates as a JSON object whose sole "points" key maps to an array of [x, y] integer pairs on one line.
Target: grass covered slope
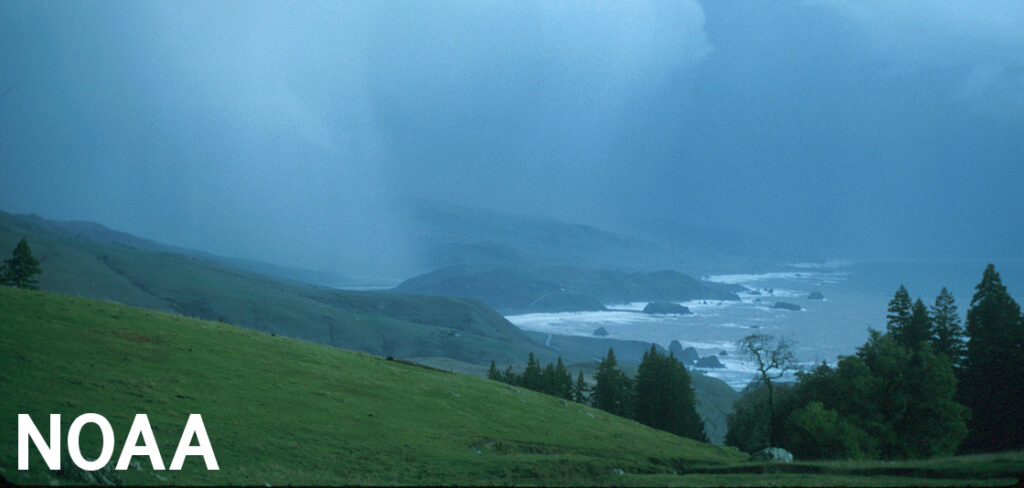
{"points": [[379, 323], [280, 410]]}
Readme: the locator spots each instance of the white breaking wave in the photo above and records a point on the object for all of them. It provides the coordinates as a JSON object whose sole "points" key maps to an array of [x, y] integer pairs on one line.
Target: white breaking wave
{"points": [[595, 317], [751, 278], [632, 306]]}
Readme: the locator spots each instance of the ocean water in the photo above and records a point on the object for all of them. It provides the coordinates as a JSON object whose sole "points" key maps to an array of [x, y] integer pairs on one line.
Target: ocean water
{"points": [[856, 298]]}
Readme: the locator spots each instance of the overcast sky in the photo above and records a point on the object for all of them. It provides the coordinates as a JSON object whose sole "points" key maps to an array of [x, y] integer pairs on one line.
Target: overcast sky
{"points": [[292, 132]]}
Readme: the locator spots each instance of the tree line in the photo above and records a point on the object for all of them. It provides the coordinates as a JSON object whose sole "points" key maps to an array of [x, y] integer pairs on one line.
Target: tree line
{"points": [[660, 396], [926, 386], [553, 379]]}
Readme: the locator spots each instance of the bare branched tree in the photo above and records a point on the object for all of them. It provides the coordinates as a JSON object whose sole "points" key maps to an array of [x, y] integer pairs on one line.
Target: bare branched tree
{"points": [[773, 357]]}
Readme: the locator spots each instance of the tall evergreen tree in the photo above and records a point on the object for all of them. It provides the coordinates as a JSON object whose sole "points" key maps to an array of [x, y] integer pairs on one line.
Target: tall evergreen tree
{"points": [[665, 398], [899, 310], [947, 333], [493, 373], [20, 269], [533, 376], [916, 331], [562, 381], [579, 390], [613, 391], [549, 383], [993, 376]]}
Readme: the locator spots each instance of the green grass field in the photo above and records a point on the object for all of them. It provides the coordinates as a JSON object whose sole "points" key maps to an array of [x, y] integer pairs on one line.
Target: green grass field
{"points": [[284, 411], [280, 410]]}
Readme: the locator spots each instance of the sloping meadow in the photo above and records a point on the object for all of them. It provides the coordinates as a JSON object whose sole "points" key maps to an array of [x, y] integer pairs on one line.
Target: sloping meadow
{"points": [[279, 410]]}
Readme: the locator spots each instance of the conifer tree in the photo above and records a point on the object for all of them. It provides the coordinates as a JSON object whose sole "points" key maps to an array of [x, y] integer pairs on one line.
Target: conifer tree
{"points": [[533, 376], [899, 310], [947, 333], [20, 269], [993, 376], [613, 391], [916, 331], [579, 390], [664, 398], [493, 373], [549, 380], [562, 381]]}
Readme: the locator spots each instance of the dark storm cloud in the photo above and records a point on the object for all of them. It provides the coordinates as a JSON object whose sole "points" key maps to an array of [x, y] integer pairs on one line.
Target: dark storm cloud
{"points": [[293, 132]]}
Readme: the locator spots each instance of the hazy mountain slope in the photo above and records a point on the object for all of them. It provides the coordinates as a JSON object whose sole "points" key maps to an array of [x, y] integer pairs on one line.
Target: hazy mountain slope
{"points": [[449, 235], [380, 323], [560, 288], [98, 233], [284, 411], [453, 234]]}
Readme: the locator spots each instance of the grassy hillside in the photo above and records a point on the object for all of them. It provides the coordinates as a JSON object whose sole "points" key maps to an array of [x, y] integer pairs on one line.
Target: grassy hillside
{"points": [[280, 411], [147, 276], [88, 260]]}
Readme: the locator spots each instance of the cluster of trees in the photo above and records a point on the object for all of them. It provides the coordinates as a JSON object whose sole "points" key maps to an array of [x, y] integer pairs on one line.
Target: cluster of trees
{"points": [[660, 396], [553, 379], [663, 397], [20, 269], [926, 386]]}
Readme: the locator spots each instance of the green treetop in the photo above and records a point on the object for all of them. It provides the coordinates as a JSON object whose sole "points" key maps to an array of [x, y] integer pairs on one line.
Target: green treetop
{"points": [[899, 310], [947, 333], [20, 269]]}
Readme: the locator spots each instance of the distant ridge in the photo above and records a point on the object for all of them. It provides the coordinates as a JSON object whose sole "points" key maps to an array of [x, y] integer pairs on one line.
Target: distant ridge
{"points": [[90, 260], [99, 233], [528, 289], [452, 234]]}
